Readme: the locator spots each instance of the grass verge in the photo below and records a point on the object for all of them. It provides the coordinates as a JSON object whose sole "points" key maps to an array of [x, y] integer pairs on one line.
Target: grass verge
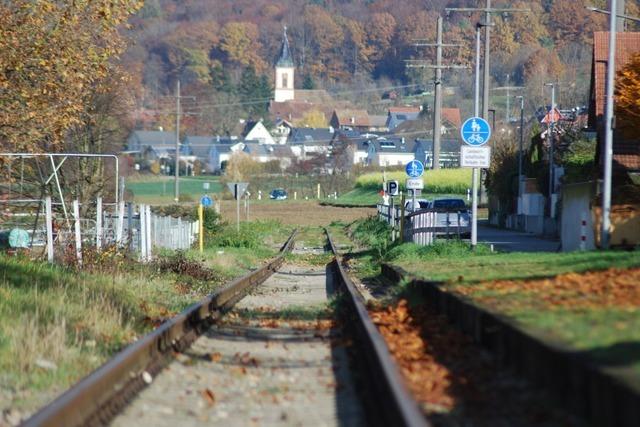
{"points": [[58, 324], [586, 300]]}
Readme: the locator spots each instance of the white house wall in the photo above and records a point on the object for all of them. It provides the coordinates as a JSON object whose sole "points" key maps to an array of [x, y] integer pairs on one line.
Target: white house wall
{"points": [[261, 134], [393, 159]]}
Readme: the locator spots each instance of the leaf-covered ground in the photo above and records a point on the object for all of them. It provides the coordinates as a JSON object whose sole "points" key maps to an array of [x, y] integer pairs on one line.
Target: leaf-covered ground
{"points": [[455, 381], [595, 312]]}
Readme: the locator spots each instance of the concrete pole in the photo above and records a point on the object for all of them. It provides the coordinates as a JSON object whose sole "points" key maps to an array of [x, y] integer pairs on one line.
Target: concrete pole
{"points": [[176, 196], [608, 140], [552, 120], [487, 50], [520, 148], [474, 175], [437, 109]]}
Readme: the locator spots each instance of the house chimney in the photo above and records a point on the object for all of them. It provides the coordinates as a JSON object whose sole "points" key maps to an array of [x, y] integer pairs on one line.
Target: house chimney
{"points": [[353, 120], [402, 140]]}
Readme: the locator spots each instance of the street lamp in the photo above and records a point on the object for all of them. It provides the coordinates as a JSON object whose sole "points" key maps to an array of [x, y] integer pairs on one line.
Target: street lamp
{"points": [[550, 131], [521, 98]]}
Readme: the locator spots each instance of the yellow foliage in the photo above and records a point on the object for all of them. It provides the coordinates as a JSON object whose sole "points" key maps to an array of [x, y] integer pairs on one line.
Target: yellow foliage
{"points": [[313, 119], [52, 56], [627, 99]]}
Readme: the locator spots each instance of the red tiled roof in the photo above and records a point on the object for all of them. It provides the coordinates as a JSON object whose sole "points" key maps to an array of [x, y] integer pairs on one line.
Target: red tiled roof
{"points": [[352, 117], [405, 109], [452, 115], [627, 44]]}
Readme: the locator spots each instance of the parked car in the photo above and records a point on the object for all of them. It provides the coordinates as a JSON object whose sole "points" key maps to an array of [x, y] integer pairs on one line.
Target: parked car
{"points": [[420, 204], [278, 194], [448, 210]]}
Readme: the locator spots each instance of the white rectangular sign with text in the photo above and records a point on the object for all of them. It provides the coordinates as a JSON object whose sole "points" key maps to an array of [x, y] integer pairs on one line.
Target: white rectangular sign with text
{"points": [[475, 157]]}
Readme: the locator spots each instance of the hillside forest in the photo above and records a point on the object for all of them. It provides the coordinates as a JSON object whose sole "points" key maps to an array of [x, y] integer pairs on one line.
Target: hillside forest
{"points": [[223, 52]]}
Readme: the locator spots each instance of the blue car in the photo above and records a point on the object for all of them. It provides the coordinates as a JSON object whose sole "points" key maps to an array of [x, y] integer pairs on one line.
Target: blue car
{"points": [[278, 194]]}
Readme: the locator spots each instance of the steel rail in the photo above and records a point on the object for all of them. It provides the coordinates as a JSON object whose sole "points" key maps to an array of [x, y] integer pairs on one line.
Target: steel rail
{"points": [[103, 393], [395, 405]]}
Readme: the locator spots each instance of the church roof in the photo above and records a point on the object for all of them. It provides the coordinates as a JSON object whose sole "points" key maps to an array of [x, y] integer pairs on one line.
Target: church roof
{"points": [[285, 53]]}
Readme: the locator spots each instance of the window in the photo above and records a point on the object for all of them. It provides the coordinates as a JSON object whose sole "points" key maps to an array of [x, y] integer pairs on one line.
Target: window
{"points": [[285, 81]]}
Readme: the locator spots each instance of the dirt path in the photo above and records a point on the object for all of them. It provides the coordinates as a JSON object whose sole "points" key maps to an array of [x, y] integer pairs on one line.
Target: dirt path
{"points": [[257, 369]]}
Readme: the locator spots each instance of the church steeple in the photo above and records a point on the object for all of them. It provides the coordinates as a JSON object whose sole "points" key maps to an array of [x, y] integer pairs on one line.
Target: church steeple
{"points": [[285, 59], [284, 72]]}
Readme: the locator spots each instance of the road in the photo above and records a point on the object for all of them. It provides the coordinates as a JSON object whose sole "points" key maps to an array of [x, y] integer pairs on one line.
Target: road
{"points": [[514, 241]]}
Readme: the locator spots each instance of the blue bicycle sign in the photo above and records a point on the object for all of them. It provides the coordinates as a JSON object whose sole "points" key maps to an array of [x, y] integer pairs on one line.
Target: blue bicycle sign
{"points": [[414, 169], [475, 131]]}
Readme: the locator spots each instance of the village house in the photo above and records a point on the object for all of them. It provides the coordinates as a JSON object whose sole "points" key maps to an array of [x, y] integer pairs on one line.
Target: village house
{"points": [[626, 153]]}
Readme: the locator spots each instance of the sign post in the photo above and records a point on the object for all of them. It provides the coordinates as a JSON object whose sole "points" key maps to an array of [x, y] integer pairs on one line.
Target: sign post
{"points": [[238, 189], [201, 227], [415, 170], [475, 132]]}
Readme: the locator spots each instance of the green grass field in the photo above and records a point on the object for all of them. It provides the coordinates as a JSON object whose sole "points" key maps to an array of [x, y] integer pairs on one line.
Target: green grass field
{"points": [[441, 181], [160, 190]]}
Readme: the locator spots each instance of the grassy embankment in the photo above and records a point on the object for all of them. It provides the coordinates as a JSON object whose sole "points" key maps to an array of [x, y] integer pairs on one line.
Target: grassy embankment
{"points": [[58, 324], [585, 300], [437, 183]]}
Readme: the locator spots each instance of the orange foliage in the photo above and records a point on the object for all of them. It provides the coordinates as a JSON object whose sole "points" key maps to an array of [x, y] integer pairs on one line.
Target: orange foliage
{"points": [[627, 99]]}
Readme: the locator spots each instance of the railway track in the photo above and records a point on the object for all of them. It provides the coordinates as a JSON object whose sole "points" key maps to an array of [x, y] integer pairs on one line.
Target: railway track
{"points": [[238, 358]]}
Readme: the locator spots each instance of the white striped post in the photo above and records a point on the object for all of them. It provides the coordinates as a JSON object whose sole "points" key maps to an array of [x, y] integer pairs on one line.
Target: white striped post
{"points": [[148, 229], [99, 224], [76, 216], [583, 232], [49, 223], [120, 223], [142, 235]]}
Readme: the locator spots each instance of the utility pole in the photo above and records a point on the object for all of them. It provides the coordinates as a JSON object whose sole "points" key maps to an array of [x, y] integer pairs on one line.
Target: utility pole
{"points": [[508, 89], [179, 113], [176, 196], [550, 131], [437, 108], [520, 148]]}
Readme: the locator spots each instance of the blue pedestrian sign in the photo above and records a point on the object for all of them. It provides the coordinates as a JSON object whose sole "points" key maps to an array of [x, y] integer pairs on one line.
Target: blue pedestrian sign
{"points": [[206, 201], [414, 169], [476, 131]]}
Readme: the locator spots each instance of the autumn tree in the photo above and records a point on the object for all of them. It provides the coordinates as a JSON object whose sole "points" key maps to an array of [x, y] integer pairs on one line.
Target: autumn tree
{"points": [[312, 119], [627, 99], [240, 43], [187, 51], [51, 55], [326, 38]]}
